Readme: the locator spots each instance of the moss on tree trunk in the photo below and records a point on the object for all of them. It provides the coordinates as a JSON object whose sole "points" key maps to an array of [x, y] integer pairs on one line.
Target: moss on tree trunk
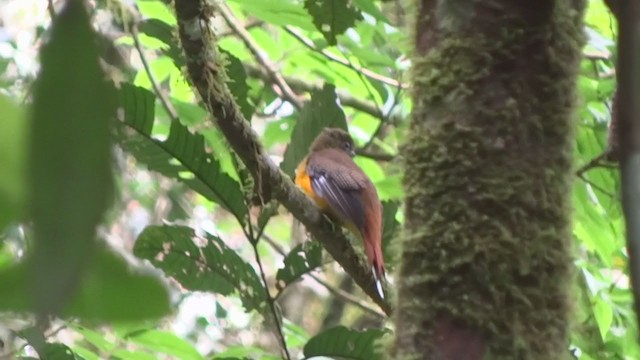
{"points": [[486, 259]]}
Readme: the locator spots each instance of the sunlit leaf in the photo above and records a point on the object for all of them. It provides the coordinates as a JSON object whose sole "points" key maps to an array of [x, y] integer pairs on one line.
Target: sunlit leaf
{"points": [[390, 188], [369, 6], [604, 316], [277, 12], [164, 342], [95, 338], [85, 353], [156, 9], [295, 335], [164, 32], [133, 355], [237, 78], [244, 353]]}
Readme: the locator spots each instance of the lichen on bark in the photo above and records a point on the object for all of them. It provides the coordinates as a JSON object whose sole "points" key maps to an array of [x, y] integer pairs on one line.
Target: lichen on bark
{"points": [[486, 262]]}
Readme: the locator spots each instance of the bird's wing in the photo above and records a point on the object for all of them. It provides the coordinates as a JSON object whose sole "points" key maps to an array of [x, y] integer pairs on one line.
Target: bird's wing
{"points": [[338, 180]]}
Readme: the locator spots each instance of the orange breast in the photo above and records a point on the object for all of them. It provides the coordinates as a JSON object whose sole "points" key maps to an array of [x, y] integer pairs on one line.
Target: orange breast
{"points": [[304, 182]]}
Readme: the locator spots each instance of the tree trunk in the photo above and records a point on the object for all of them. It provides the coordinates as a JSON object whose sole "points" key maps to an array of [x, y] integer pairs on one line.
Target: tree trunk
{"points": [[486, 258]]}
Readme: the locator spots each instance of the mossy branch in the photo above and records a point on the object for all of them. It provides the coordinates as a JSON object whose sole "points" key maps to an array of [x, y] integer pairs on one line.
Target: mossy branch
{"points": [[207, 74]]}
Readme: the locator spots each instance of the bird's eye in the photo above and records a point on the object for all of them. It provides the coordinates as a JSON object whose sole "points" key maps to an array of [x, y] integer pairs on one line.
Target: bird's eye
{"points": [[346, 145]]}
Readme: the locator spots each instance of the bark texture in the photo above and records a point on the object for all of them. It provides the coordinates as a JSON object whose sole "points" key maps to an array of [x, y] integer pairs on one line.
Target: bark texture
{"points": [[207, 75], [486, 259]]}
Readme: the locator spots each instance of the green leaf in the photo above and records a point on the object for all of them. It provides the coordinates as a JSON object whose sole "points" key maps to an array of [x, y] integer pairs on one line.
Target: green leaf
{"points": [[277, 12], [181, 156], [370, 7], [390, 188], [13, 127], [319, 113], [70, 180], [278, 131], [85, 353], [94, 338], [244, 353], [343, 343], [200, 264], [133, 355], [236, 75], [603, 313], [237, 84], [295, 335], [100, 295], [332, 17], [164, 342], [164, 32], [157, 10], [303, 259]]}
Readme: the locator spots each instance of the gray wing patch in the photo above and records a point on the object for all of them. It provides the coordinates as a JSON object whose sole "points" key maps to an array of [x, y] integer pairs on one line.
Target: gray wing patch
{"points": [[346, 202]]}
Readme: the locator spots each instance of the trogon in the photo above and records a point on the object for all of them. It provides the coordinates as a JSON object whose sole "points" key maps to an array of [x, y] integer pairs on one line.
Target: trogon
{"points": [[332, 179]]}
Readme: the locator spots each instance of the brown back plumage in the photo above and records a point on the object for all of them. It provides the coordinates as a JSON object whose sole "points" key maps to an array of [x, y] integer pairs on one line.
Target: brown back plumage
{"points": [[351, 195]]}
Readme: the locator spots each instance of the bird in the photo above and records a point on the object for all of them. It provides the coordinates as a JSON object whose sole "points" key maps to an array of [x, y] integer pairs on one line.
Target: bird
{"points": [[330, 177]]}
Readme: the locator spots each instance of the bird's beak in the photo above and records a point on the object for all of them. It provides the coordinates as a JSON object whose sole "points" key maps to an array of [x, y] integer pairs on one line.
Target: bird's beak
{"points": [[352, 153]]}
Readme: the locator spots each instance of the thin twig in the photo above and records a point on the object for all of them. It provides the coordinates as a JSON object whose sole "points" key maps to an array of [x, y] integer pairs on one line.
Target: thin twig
{"points": [[166, 104], [366, 72], [348, 297], [346, 99], [270, 299], [596, 55], [385, 120], [375, 155], [51, 9], [384, 117], [287, 93], [597, 187], [594, 163], [367, 86], [334, 290], [247, 26]]}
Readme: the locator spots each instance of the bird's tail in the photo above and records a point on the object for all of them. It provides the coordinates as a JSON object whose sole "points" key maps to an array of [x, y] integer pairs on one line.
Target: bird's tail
{"points": [[372, 236], [377, 276], [373, 250]]}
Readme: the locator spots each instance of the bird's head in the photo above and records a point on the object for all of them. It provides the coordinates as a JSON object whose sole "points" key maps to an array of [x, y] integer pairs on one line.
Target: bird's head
{"points": [[334, 138]]}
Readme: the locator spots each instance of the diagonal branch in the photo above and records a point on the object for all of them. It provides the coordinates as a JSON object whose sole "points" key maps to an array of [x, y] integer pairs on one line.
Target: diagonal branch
{"points": [[263, 60], [166, 104], [364, 71], [346, 99], [270, 299], [347, 297], [207, 76]]}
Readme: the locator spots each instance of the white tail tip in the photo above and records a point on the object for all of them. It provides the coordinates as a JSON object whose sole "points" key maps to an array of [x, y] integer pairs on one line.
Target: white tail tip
{"points": [[378, 283]]}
